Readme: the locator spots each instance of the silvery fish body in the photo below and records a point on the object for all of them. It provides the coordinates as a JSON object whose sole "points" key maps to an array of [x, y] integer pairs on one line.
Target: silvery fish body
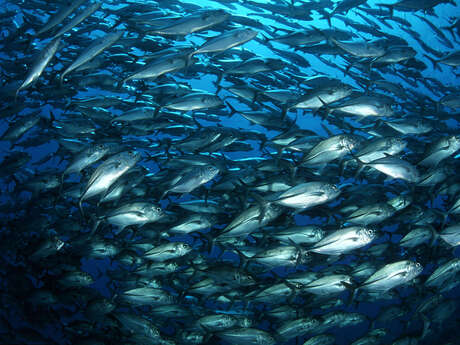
{"points": [[392, 275], [443, 273], [451, 235], [226, 41], [299, 234], [440, 150], [330, 149], [193, 23], [193, 179], [97, 47], [136, 213], [247, 336], [344, 240], [40, 64], [250, 220], [108, 172], [88, 156], [329, 284], [307, 195], [168, 251]]}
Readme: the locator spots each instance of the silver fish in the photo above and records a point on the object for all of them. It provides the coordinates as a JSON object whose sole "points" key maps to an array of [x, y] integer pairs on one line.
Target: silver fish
{"points": [[392, 275]]}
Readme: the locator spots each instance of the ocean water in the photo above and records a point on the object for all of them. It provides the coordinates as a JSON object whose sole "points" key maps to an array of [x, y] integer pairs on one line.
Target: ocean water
{"points": [[71, 261]]}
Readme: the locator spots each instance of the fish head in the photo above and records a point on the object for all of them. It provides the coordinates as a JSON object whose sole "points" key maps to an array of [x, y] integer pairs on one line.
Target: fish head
{"points": [[215, 15], [454, 141], [367, 234], [211, 100], [304, 257], [401, 201], [245, 278], [350, 141], [106, 148], [107, 305], [245, 34], [414, 268], [331, 191], [130, 157], [398, 144], [153, 211], [318, 233], [172, 266], [456, 265], [424, 126], [85, 278], [343, 90], [183, 248], [209, 172], [58, 244], [384, 109], [246, 322]]}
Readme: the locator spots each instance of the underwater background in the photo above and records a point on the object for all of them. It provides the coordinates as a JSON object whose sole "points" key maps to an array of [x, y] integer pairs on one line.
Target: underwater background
{"points": [[230, 172]]}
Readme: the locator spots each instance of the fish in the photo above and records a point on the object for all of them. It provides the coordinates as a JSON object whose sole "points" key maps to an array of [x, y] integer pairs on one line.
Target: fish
{"points": [[193, 23], [97, 47], [78, 18], [192, 179], [238, 172], [247, 336], [396, 168], [167, 63], [392, 275], [60, 16], [306, 195], [344, 240], [443, 273], [330, 149], [225, 41], [136, 213], [39, 65], [107, 173]]}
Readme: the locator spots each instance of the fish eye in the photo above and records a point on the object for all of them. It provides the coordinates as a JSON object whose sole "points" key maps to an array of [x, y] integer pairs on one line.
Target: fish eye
{"points": [[158, 209]]}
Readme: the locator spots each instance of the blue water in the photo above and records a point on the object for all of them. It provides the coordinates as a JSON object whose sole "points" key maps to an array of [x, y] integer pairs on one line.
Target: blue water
{"points": [[18, 202]]}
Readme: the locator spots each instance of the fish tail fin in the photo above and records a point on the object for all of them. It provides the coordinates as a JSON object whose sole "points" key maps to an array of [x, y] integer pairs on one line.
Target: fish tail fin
{"points": [[232, 109], [434, 63], [244, 260], [211, 241], [352, 290], [121, 83], [189, 59], [61, 79], [284, 111], [389, 7], [80, 206], [324, 106], [361, 164], [61, 186], [426, 326], [329, 18], [96, 223], [220, 75], [445, 217], [156, 112], [266, 40], [16, 95]]}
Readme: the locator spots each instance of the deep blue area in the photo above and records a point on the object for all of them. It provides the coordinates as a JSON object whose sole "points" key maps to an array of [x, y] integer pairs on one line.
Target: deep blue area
{"points": [[33, 215]]}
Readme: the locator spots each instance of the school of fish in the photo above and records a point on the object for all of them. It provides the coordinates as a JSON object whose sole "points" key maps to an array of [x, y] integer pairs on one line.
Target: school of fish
{"points": [[230, 172]]}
